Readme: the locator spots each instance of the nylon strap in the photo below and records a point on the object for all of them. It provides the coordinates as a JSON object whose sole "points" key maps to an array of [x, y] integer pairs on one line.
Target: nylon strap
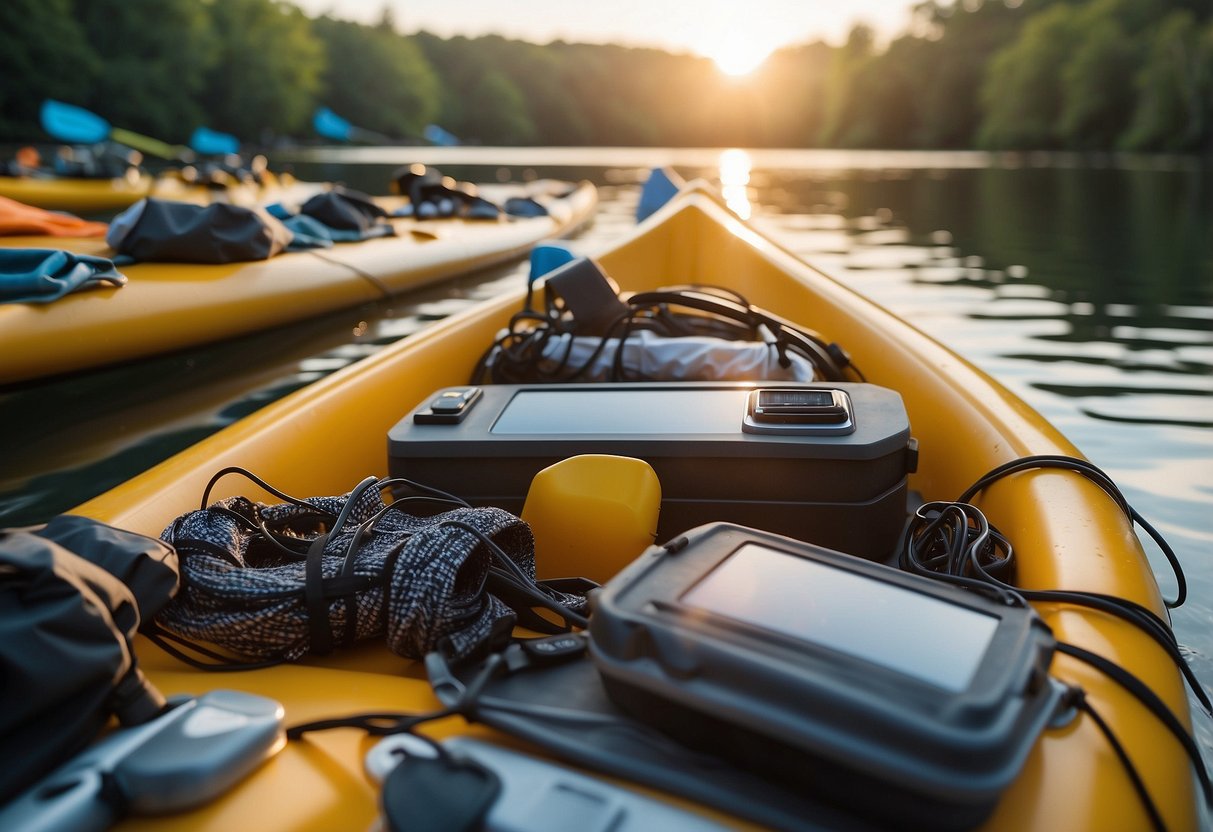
{"points": [[320, 630]]}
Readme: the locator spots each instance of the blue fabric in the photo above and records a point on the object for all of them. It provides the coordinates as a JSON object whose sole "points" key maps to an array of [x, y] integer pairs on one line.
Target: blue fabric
{"points": [[310, 232], [659, 188], [39, 275], [546, 257]]}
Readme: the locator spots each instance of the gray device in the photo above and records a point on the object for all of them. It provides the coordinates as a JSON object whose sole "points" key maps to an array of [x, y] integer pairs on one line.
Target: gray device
{"points": [[541, 796], [826, 462], [828, 674], [185, 757]]}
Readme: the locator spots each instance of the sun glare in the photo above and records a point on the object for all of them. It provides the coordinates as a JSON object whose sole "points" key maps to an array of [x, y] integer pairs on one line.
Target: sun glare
{"points": [[735, 166], [738, 56]]}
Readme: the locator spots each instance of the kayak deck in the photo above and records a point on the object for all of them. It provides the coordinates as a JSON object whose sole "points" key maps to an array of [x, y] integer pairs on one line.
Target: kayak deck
{"points": [[167, 306], [94, 196], [1067, 533]]}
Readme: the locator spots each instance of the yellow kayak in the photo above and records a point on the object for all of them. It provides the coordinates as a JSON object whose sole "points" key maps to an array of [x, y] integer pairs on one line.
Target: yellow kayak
{"points": [[326, 438], [95, 196], [167, 306]]}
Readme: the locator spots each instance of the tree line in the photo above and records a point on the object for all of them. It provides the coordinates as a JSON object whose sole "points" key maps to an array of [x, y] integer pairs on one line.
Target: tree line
{"points": [[1028, 74]]}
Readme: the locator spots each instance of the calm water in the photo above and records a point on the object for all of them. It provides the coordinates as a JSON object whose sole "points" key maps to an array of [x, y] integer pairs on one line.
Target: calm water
{"points": [[1084, 285]]}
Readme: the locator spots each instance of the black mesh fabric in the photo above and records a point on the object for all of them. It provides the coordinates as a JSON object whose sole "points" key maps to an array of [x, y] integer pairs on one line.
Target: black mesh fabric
{"points": [[423, 578]]}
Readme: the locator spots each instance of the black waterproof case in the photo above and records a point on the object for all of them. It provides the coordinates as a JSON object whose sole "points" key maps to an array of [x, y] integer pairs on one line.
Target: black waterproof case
{"points": [[825, 462], [903, 699]]}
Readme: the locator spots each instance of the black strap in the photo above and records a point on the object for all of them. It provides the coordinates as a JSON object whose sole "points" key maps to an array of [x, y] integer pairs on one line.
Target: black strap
{"points": [[438, 794], [314, 597]]}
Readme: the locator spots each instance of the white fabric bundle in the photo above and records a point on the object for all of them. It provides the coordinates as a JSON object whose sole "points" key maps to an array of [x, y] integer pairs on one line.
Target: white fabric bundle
{"points": [[647, 355]]}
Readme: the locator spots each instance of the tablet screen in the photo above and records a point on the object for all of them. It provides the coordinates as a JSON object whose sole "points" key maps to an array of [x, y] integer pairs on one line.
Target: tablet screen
{"points": [[920, 635]]}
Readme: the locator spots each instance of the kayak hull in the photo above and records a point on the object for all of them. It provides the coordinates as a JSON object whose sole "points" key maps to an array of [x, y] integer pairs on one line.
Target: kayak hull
{"points": [[168, 306], [1067, 533], [97, 196]]}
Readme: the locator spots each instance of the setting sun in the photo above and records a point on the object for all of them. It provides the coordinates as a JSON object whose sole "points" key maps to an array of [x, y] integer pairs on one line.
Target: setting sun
{"points": [[736, 42], [739, 56]]}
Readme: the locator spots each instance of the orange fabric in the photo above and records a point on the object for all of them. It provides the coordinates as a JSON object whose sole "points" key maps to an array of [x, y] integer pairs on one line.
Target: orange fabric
{"points": [[28, 157], [19, 218]]}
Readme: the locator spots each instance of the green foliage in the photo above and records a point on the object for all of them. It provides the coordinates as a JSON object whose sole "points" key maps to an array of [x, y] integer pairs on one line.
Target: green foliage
{"points": [[266, 75], [842, 119], [377, 79], [1097, 86], [482, 100], [788, 92], [1021, 95], [1084, 74], [1175, 86], [43, 54], [495, 111], [153, 74], [949, 72]]}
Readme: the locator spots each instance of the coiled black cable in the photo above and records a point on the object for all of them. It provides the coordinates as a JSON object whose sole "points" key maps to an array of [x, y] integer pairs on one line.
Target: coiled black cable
{"points": [[1101, 479], [517, 354], [953, 541]]}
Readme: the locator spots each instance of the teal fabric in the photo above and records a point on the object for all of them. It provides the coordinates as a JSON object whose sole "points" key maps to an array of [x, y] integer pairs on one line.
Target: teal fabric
{"points": [[37, 275], [312, 233], [309, 233]]}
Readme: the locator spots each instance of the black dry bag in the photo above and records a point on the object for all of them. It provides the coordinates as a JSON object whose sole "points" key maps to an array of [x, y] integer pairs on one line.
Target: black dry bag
{"points": [[345, 210], [72, 595], [178, 232]]}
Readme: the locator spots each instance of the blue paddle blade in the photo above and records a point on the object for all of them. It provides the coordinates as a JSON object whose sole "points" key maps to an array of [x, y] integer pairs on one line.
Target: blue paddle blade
{"points": [[72, 124], [210, 142], [436, 135], [659, 189], [331, 126], [547, 257]]}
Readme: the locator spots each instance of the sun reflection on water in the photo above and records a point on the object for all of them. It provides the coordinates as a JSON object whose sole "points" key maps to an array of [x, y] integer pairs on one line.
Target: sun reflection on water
{"points": [[735, 166]]}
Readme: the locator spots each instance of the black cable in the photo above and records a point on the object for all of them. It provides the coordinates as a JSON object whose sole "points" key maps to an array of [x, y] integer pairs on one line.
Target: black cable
{"points": [[1136, 615], [1138, 784], [219, 663], [343, 515], [382, 287], [249, 475], [1152, 702], [517, 354], [964, 567], [519, 579], [955, 542], [970, 553], [385, 724], [1101, 479]]}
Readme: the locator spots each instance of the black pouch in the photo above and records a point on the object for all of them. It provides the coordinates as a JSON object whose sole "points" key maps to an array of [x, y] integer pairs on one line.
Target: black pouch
{"points": [[72, 596], [344, 210], [155, 229]]}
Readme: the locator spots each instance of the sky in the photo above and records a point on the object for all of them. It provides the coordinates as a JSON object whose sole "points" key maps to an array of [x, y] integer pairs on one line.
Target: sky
{"points": [[732, 31]]}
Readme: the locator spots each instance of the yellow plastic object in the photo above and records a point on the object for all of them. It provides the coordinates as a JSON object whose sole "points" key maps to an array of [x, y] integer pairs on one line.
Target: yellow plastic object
{"points": [[1067, 533], [592, 514], [167, 306]]}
